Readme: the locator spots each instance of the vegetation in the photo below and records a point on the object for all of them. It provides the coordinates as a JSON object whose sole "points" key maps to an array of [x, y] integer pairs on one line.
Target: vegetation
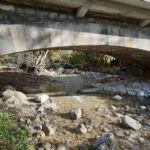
{"points": [[84, 60], [12, 137]]}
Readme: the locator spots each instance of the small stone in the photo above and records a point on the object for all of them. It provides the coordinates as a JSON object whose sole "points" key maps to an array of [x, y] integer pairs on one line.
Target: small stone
{"points": [[76, 113], [141, 139], [104, 142], [143, 107], [141, 95], [38, 127], [130, 122], [47, 105], [81, 128], [127, 107], [44, 145], [62, 147], [28, 121], [117, 97], [48, 129], [41, 98], [113, 108], [40, 134]]}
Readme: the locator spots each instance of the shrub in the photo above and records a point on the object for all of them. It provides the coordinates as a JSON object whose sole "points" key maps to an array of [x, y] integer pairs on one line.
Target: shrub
{"points": [[83, 60], [12, 137]]}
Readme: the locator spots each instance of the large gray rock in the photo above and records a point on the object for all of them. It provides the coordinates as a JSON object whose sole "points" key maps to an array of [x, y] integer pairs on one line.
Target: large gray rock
{"points": [[15, 98], [104, 142], [131, 123]]}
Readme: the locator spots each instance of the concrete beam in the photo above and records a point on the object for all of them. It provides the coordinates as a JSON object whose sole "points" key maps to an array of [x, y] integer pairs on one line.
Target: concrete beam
{"points": [[81, 11], [98, 6], [144, 22]]}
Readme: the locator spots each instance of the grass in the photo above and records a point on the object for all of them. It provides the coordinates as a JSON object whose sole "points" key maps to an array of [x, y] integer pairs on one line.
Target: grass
{"points": [[12, 136]]}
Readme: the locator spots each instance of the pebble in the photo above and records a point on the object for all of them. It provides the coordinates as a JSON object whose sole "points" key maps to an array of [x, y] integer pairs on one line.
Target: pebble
{"points": [[130, 122], [48, 129], [62, 147], [41, 98], [81, 128], [117, 97], [76, 113], [143, 107], [40, 134]]}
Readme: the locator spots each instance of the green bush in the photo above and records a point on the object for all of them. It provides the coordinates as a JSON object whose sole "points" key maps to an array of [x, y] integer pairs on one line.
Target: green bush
{"points": [[83, 60], [12, 137]]}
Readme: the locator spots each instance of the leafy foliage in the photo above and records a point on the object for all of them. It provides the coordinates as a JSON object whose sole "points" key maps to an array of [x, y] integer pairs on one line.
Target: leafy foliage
{"points": [[12, 137], [90, 60]]}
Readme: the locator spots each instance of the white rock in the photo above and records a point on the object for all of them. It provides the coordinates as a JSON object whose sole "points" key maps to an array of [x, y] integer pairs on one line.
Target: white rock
{"points": [[76, 113], [117, 97], [130, 122], [41, 98], [62, 147], [15, 98], [47, 105], [141, 95], [141, 139], [81, 128], [143, 107]]}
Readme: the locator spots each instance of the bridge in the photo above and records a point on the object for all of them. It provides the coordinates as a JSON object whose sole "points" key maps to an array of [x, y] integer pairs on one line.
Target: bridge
{"points": [[115, 27]]}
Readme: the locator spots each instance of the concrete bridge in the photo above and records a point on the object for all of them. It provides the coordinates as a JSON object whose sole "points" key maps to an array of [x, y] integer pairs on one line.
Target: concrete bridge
{"points": [[113, 27]]}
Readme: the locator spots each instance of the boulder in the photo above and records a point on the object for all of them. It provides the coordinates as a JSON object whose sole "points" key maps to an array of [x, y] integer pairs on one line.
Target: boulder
{"points": [[131, 123], [76, 113], [15, 98]]}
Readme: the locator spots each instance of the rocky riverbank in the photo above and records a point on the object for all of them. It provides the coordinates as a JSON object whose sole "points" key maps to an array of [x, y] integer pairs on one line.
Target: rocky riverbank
{"points": [[80, 122]]}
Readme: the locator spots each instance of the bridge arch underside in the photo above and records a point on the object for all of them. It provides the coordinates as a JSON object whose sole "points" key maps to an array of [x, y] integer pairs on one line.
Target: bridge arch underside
{"points": [[130, 56], [23, 30]]}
